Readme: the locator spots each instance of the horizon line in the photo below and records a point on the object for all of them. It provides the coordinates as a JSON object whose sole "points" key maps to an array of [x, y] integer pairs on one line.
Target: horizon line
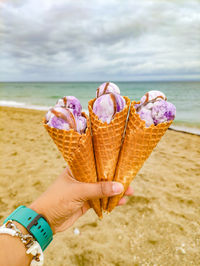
{"points": [[89, 81]]}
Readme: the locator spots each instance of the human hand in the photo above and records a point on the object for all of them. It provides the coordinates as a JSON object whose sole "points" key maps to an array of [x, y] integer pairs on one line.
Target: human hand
{"points": [[67, 199]]}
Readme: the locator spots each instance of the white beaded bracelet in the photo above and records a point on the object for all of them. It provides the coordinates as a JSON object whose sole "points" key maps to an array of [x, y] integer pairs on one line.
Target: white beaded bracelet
{"points": [[30, 243]]}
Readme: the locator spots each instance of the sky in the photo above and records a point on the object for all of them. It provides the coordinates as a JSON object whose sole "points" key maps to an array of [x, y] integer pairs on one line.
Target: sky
{"points": [[48, 40]]}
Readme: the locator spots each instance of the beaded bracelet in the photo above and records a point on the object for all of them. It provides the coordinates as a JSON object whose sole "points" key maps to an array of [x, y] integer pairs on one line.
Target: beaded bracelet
{"points": [[32, 246]]}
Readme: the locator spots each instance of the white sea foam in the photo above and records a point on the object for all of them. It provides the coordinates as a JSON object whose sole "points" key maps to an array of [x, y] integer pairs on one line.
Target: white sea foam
{"points": [[191, 130], [11, 103], [22, 105]]}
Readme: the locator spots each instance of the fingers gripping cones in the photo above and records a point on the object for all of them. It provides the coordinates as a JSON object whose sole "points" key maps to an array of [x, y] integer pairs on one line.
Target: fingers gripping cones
{"points": [[107, 140], [77, 151], [138, 144]]}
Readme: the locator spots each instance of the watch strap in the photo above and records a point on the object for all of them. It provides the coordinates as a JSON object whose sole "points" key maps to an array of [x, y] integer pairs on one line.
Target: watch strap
{"points": [[35, 224]]}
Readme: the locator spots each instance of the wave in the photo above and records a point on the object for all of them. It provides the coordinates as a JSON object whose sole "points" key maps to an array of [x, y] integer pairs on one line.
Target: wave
{"points": [[23, 105], [28, 106], [184, 129]]}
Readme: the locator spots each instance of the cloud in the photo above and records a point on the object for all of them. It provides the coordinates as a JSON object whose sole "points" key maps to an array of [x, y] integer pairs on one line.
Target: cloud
{"points": [[72, 40]]}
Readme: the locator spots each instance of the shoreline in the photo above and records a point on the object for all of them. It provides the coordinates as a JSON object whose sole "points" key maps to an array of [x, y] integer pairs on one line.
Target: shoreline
{"points": [[176, 126], [192, 130]]}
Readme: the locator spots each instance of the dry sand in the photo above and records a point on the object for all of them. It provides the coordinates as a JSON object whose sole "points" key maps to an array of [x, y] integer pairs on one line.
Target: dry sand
{"points": [[160, 225]]}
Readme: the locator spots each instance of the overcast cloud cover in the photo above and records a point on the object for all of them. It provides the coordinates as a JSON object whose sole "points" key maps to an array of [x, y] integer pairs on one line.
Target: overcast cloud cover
{"points": [[48, 40]]}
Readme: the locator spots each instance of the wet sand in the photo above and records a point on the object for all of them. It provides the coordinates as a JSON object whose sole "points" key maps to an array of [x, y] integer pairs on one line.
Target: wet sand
{"points": [[160, 224]]}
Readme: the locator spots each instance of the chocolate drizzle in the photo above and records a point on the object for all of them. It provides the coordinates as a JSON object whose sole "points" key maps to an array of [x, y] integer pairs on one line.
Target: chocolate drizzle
{"points": [[71, 120], [97, 92], [114, 103], [147, 98], [65, 101], [147, 101], [104, 90]]}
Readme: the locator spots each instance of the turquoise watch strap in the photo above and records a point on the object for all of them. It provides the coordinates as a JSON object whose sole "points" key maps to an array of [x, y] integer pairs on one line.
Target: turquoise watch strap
{"points": [[35, 224]]}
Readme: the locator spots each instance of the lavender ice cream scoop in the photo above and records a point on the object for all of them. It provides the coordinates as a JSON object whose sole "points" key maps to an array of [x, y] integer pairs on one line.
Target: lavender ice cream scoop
{"points": [[70, 102], [61, 117], [155, 109], [163, 111], [107, 105], [107, 87]]}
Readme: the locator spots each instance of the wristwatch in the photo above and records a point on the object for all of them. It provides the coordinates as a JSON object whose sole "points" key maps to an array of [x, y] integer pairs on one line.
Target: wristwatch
{"points": [[34, 223]]}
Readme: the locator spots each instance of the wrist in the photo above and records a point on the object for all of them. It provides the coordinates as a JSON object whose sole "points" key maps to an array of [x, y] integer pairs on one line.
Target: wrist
{"points": [[41, 208], [35, 223], [32, 247], [21, 228], [14, 248]]}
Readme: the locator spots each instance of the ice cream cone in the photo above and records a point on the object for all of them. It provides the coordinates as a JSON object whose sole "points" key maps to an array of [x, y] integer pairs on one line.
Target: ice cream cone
{"points": [[139, 142], [107, 139], [77, 150]]}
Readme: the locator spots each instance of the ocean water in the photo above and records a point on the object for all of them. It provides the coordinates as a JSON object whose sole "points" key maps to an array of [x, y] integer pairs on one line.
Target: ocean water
{"points": [[41, 95]]}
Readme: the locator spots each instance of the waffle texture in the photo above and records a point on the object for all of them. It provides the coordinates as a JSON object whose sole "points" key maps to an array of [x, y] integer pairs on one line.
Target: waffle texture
{"points": [[107, 139], [77, 150], [138, 144]]}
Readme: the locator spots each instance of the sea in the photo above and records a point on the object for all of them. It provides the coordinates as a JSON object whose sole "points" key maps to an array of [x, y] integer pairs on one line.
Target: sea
{"points": [[42, 95]]}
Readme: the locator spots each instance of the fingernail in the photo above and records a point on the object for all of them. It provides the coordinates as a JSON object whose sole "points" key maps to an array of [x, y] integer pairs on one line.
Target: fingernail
{"points": [[117, 188]]}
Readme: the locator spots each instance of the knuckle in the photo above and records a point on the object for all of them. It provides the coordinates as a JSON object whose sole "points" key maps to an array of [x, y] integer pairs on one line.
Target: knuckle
{"points": [[104, 187]]}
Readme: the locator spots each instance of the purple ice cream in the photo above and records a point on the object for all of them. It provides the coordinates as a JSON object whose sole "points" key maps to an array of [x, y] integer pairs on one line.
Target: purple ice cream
{"points": [[61, 117], [163, 111], [107, 105], [70, 102], [107, 87], [155, 109], [145, 114]]}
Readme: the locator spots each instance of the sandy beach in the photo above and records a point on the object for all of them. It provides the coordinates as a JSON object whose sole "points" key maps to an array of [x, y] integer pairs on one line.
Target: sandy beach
{"points": [[160, 224]]}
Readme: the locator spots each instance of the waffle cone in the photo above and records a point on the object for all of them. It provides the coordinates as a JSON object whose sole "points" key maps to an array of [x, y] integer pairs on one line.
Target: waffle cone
{"points": [[77, 150], [138, 144], [107, 139]]}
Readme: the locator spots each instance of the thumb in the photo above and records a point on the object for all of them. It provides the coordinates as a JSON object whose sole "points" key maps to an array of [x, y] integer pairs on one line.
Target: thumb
{"points": [[88, 191]]}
